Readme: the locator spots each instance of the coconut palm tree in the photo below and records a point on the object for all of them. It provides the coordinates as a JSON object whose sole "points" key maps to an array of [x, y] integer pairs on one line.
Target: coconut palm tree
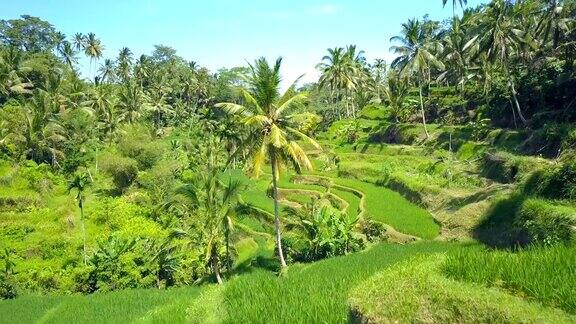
{"points": [[66, 51], [80, 183], [271, 119], [458, 50], [159, 109], [106, 71], [79, 41], [124, 63], [554, 23], [215, 201], [10, 80], [141, 71], [395, 91], [337, 73], [93, 48], [455, 3], [43, 134], [500, 41], [130, 101], [416, 56]]}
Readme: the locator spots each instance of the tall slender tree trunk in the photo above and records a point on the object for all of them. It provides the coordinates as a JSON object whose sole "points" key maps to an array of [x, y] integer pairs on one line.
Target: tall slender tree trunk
{"points": [[277, 209], [515, 96], [214, 264], [422, 111], [516, 103], [227, 238], [84, 255]]}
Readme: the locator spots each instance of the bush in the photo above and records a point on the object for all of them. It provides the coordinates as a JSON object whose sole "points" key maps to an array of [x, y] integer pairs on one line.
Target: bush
{"points": [[546, 223], [140, 146], [326, 232], [373, 231], [7, 289], [123, 170], [555, 183], [117, 264], [375, 112], [519, 220]]}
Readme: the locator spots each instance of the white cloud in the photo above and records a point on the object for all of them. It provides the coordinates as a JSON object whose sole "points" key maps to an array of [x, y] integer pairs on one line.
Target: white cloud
{"points": [[323, 10]]}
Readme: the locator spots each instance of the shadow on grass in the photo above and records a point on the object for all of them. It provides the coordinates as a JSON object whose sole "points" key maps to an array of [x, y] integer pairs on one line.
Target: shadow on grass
{"points": [[498, 229]]}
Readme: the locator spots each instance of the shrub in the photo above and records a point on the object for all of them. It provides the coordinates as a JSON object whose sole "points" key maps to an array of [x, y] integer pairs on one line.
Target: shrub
{"points": [[519, 220], [123, 170], [373, 231], [375, 112], [117, 264], [7, 288], [555, 183], [140, 146], [546, 223], [325, 232]]}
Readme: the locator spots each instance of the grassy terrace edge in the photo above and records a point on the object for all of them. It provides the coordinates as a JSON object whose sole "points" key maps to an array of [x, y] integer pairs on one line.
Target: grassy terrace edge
{"points": [[416, 291]]}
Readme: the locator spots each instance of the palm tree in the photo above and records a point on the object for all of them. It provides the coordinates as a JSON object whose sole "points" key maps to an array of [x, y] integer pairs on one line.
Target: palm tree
{"points": [[455, 3], [106, 70], [141, 71], [554, 23], [10, 80], [158, 108], [458, 50], [42, 136], [396, 90], [130, 101], [93, 48], [416, 56], [80, 183], [79, 41], [271, 118], [67, 53], [124, 63], [500, 40], [337, 73], [215, 202]]}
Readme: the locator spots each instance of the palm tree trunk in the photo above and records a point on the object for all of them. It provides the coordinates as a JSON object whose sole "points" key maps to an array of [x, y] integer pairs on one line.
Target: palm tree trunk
{"points": [[227, 238], [214, 264], [514, 95], [276, 209], [516, 103], [84, 256], [422, 111]]}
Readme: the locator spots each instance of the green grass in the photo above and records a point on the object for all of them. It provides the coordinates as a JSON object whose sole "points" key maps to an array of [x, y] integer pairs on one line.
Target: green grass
{"points": [[416, 291], [314, 292], [311, 293], [352, 200], [545, 274], [389, 207], [116, 307]]}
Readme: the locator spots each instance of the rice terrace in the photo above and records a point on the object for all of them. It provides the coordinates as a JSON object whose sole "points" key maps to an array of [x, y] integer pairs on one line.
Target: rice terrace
{"points": [[246, 162]]}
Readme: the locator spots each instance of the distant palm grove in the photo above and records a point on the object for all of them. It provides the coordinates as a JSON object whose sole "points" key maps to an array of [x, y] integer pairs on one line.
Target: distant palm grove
{"points": [[151, 171]]}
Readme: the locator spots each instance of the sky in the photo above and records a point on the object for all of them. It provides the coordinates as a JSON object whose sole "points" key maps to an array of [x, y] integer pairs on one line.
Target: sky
{"points": [[228, 33]]}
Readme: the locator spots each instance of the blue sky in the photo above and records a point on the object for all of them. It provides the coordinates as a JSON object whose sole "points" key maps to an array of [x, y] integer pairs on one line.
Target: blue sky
{"points": [[226, 33]]}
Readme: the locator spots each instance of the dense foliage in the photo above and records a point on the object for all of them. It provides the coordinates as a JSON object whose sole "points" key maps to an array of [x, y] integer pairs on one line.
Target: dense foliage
{"points": [[134, 175]]}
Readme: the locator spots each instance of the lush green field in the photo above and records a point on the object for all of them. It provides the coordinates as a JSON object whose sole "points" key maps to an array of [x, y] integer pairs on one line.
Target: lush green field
{"points": [[311, 293], [317, 291], [142, 305], [390, 207], [417, 291], [544, 274]]}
